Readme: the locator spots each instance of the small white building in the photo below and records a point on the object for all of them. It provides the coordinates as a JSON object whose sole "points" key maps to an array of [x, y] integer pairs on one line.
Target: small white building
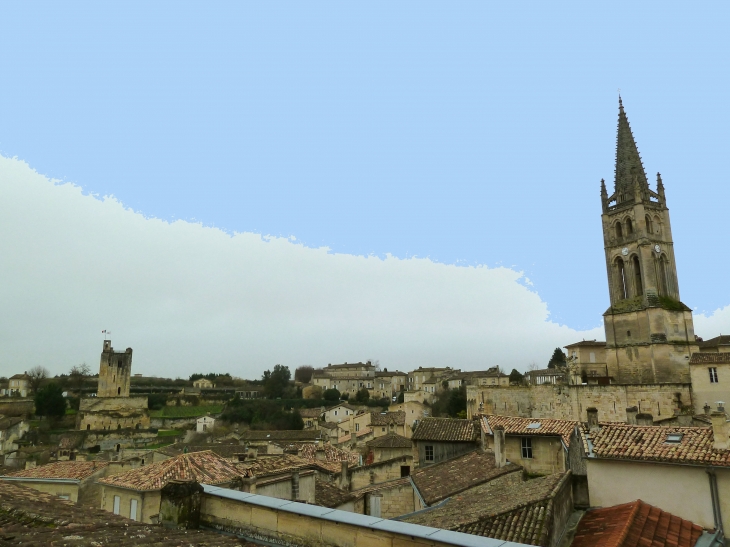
{"points": [[205, 424]]}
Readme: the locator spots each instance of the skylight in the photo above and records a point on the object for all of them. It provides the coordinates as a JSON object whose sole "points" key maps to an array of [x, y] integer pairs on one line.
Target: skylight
{"points": [[674, 437], [535, 425]]}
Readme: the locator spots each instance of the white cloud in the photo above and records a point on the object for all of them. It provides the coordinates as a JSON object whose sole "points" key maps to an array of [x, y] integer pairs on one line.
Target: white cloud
{"points": [[714, 324], [192, 298]]}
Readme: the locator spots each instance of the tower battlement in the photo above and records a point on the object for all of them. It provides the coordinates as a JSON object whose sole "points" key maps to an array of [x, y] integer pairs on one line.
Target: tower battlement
{"points": [[115, 372]]}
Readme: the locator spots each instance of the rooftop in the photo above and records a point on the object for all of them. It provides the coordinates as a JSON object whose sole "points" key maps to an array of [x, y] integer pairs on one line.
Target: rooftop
{"points": [[633, 524], [445, 429], [272, 465], [530, 426], [650, 443], [310, 412], [222, 450], [507, 510], [439, 481], [386, 418], [327, 494], [283, 435], [391, 440], [587, 343], [70, 470], [714, 342], [30, 517], [205, 467]]}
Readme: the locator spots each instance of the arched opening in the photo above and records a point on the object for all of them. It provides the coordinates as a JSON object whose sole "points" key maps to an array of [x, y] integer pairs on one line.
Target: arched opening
{"points": [[649, 225], [88, 427], [629, 227], [637, 277], [621, 279], [619, 231], [662, 274], [119, 391], [119, 426], [119, 446], [137, 426], [657, 226]]}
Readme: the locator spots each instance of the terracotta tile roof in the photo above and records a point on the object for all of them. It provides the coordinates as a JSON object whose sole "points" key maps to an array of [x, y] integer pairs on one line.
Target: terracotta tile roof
{"points": [[632, 525], [439, 481], [344, 438], [204, 467], [29, 517], [61, 470], [331, 454], [346, 405], [507, 510], [363, 431], [328, 425], [709, 358], [310, 412], [272, 465], [514, 425], [71, 440], [445, 429], [327, 494], [716, 341], [391, 440], [19, 377], [585, 343], [646, 442], [386, 418], [228, 451], [284, 435], [393, 483]]}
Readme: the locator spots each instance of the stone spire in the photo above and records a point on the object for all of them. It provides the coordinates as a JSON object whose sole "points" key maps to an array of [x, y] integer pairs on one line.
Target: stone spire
{"points": [[629, 169]]}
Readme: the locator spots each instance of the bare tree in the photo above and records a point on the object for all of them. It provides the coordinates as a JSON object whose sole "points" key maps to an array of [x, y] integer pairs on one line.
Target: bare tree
{"points": [[77, 376], [36, 376]]}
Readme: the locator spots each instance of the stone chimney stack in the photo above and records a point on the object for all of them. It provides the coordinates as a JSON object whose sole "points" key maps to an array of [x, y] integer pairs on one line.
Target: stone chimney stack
{"points": [[500, 455], [644, 419], [707, 408], [720, 427], [344, 479], [631, 413], [592, 419], [295, 486]]}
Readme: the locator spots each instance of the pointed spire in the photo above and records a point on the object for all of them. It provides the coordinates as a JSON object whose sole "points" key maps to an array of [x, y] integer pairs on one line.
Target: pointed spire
{"points": [[604, 196], [629, 169], [660, 189]]}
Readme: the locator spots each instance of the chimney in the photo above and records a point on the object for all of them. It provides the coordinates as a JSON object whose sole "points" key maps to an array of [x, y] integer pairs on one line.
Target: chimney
{"points": [[644, 419], [344, 481], [631, 413], [707, 408], [719, 428], [592, 418], [500, 456]]}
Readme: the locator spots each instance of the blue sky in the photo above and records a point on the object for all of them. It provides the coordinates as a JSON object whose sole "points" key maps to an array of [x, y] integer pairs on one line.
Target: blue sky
{"points": [[471, 133]]}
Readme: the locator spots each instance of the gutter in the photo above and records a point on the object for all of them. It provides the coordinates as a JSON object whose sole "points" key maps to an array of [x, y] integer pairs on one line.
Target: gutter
{"points": [[34, 479], [418, 493]]}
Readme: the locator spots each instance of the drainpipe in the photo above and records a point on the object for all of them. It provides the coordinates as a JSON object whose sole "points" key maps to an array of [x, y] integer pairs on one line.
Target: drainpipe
{"points": [[719, 536]]}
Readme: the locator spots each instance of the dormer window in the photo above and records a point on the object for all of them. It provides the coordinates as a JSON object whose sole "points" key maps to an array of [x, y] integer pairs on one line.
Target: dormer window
{"points": [[674, 438]]}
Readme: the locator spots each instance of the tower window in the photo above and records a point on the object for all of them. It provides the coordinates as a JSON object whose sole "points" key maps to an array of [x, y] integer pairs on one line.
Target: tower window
{"points": [[619, 231], [621, 279], [649, 225], [637, 277], [629, 227], [119, 391], [713, 375], [663, 275]]}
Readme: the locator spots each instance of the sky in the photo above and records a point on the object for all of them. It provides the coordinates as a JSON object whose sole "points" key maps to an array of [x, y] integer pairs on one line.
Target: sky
{"points": [[227, 186]]}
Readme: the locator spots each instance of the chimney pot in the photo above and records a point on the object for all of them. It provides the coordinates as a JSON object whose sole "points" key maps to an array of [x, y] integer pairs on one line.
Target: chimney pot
{"points": [[592, 418], [500, 456], [719, 430], [631, 413]]}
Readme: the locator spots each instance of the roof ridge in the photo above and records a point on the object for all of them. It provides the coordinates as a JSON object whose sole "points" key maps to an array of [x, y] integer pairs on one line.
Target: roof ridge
{"points": [[629, 522]]}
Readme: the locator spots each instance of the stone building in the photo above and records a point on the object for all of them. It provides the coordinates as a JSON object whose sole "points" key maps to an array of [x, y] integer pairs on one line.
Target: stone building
{"points": [[710, 374], [649, 331], [113, 408], [438, 439], [588, 359]]}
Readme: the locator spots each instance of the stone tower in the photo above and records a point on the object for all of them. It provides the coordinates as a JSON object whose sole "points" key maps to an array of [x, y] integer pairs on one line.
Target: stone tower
{"points": [[115, 372], [649, 331]]}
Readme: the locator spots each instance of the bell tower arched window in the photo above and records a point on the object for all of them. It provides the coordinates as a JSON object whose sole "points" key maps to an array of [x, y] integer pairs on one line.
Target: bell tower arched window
{"points": [[621, 279], [649, 225], [662, 274], [629, 227], [619, 231], [637, 276]]}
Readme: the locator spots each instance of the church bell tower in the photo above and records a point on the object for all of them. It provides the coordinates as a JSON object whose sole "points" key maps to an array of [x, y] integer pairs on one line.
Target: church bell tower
{"points": [[649, 331]]}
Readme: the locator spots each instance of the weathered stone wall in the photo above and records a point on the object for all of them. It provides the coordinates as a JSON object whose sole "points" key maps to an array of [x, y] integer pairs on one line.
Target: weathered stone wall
{"points": [[395, 500], [378, 472], [548, 454], [148, 503], [571, 402], [108, 413]]}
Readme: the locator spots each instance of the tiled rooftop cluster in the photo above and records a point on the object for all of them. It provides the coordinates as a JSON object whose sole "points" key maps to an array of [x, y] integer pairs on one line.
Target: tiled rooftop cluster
{"points": [[506, 510], [448, 478], [709, 358], [272, 465], [284, 435], [222, 450], [621, 441], [327, 494], [391, 440], [61, 470], [332, 454], [204, 467], [32, 518], [634, 524], [387, 418], [514, 425], [445, 429]]}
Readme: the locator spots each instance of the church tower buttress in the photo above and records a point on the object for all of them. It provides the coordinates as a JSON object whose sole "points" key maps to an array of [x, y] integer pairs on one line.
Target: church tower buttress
{"points": [[649, 331]]}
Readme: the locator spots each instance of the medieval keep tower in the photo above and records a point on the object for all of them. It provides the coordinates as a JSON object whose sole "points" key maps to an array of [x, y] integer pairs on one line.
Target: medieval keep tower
{"points": [[649, 331], [115, 371]]}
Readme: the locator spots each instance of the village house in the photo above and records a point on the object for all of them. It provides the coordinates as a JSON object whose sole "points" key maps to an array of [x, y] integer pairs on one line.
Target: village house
{"points": [[389, 384], [415, 411], [388, 447], [492, 377], [311, 416], [588, 359], [203, 383], [11, 431], [19, 385], [540, 445], [67, 480], [417, 377], [286, 477], [680, 470], [546, 376], [710, 374], [204, 424], [339, 412], [718, 344], [136, 494], [439, 439]]}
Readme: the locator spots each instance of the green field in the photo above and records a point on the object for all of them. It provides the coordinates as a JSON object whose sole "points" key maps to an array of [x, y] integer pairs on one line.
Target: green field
{"points": [[186, 411], [169, 433]]}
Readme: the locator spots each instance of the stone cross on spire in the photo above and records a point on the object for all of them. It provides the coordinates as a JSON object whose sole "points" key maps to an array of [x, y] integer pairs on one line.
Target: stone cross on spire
{"points": [[629, 169]]}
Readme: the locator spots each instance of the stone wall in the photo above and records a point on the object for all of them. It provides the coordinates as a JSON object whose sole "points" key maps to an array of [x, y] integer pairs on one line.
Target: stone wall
{"points": [[105, 413], [570, 402], [395, 500], [548, 454], [375, 473]]}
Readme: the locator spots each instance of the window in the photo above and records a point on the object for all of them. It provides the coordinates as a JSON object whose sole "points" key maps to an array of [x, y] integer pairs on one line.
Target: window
{"points": [[429, 453], [382, 429], [713, 375], [526, 448], [357, 427], [335, 413], [405, 470], [117, 500], [64, 496], [133, 509], [592, 357]]}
